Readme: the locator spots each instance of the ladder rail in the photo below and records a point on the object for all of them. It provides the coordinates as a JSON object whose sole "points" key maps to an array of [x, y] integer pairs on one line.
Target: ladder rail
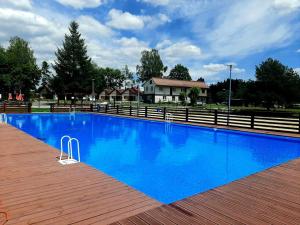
{"points": [[3, 118], [169, 117], [71, 147], [62, 146]]}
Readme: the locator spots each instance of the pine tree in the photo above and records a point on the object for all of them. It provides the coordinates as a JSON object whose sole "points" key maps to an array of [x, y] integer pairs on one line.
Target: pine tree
{"points": [[73, 66], [46, 74]]}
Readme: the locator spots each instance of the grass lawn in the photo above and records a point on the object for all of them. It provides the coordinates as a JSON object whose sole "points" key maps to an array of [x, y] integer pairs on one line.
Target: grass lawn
{"points": [[39, 110]]}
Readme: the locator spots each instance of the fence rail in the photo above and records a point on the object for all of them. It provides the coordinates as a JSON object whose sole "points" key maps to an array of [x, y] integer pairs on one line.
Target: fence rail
{"points": [[251, 121], [279, 122]]}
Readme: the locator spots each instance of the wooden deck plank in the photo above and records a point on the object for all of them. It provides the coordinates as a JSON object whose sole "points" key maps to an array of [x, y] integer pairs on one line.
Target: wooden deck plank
{"points": [[36, 189], [268, 197]]}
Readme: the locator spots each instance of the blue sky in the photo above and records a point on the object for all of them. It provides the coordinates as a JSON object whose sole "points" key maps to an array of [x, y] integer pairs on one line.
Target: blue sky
{"points": [[204, 35]]}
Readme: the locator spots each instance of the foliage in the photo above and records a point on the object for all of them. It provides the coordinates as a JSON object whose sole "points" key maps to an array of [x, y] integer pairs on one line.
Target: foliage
{"points": [[201, 79], [276, 83], [73, 66], [182, 98], [46, 74], [126, 73], [194, 94], [151, 65], [180, 72], [19, 71]]}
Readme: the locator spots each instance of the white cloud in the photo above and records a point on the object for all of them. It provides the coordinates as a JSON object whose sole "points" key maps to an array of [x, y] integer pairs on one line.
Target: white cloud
{"points": [[124, 20], [80, 4], [93, 28], [179, 52], [289, 5], [298, 50], [157, 2], [155, 21], [297, 70], [21, 4], [256, 29], [127, 21]]}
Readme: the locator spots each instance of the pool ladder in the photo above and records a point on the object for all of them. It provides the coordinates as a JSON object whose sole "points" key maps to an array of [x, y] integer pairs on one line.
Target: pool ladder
{"points": [[169, 117], [69, 159], [3, 118]]}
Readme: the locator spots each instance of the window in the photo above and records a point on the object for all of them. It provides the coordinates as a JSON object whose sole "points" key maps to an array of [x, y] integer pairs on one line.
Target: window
{"points": [[151, 88], [161, 89], [174, 89], [203, 91], [146, 88], [150, 82]]}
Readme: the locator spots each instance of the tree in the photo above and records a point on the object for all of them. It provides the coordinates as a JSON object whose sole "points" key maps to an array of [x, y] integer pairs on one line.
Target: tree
{"points": [[201, 79], [277, 83], [73, 66], [151, 65], [194, 94], [179, 72], [22, 73], [126, 73], [182, 98], [46, 74]]}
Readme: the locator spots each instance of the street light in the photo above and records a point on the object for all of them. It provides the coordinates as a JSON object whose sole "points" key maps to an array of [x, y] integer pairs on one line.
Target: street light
{"points": [[93, 90], [229, 95]]}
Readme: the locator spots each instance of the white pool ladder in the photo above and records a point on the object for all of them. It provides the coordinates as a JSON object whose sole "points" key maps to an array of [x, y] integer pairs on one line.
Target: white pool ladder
{"points": [[69, 159], [3, 118], [169, 117]]}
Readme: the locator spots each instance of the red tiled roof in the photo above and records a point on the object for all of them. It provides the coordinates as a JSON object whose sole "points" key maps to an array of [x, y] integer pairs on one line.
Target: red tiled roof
{"points": [[178, 83]]}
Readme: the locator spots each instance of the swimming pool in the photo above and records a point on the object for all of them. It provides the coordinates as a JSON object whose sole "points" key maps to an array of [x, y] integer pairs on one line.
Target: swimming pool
{"points": [[165, 161]]}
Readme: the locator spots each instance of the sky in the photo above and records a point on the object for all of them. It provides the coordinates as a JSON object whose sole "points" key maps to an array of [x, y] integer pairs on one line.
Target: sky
{"points": [[203, 35]]}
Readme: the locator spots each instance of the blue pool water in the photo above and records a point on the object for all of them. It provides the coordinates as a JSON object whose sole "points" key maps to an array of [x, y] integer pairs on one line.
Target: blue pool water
{"points": [[165, 161]]}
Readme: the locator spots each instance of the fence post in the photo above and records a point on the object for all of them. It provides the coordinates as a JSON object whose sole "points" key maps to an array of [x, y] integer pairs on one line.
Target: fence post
{"points": [[4, 107], [29, 107], [91, 108], [51, 107], [106, 108], [165, 112], [299, 124], [130, 110], [216, 117], [146, 111], [117, 109], [252, 121], [186, 114]]}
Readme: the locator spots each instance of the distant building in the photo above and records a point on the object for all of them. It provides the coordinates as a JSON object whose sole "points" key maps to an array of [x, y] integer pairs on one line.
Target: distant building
{"points": [[128, 94], [166, 90]]}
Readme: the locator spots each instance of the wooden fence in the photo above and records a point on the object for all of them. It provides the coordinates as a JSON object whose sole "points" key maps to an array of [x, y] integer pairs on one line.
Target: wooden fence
{"points": [[15, 108], [275, 122], [278, 122]]}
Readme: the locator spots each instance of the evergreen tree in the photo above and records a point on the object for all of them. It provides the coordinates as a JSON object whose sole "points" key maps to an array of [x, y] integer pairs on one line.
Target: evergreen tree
{"points": [[46, 74], [73, 66], [180, 72], [151, 65]]}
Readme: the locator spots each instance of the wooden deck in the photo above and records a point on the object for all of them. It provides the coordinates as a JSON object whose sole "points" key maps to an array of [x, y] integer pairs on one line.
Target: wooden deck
{"points": [[268, 197], [36, 189]]}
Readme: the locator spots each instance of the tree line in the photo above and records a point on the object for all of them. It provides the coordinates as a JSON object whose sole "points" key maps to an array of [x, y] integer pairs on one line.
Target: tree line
{"points": [[275, 85], [73, 71]]}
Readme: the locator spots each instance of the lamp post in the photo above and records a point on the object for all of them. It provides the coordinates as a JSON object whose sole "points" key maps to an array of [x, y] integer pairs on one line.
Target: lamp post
{"points": [[229, 95], [93, 91], [138, 103]]}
